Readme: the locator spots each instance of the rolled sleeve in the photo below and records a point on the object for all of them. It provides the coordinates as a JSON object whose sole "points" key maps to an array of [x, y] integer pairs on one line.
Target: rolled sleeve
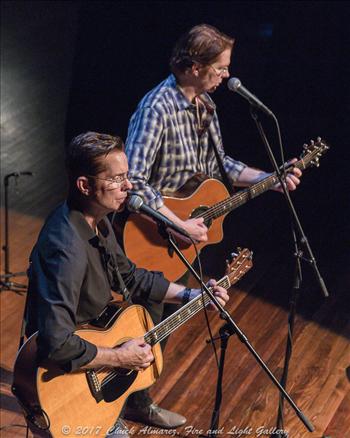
{"points": [[151, 286], [151, 196], [233, 167], [84, 351], [147, 286]]}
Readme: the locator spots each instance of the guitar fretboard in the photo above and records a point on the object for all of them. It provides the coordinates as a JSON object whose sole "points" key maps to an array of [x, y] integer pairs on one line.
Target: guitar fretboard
{"points": [[166, 327], [239, 267], [243, 196]]}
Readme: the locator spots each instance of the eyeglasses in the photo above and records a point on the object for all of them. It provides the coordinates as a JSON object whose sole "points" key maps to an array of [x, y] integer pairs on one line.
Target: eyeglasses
{"points": [[219, 71], [117, 181]]}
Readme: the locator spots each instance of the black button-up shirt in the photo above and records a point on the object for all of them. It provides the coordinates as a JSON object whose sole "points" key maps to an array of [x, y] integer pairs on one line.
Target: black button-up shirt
{"points": [[71, 274]]}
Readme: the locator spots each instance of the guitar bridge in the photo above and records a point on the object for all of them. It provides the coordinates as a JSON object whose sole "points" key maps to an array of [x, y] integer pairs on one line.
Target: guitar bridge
{"points": [[94, 385]]}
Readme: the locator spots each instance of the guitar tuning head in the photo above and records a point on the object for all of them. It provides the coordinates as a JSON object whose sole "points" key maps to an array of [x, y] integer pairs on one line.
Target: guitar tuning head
{"points": [[312, 143]]}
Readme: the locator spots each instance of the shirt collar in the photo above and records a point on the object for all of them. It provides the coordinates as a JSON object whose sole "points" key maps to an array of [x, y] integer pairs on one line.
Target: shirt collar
{"points": [[85, 231], [181, 101]]}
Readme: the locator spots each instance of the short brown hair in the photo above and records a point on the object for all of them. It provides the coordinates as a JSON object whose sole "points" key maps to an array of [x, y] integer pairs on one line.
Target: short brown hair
{"points": [[84, 150], [202, 44]]}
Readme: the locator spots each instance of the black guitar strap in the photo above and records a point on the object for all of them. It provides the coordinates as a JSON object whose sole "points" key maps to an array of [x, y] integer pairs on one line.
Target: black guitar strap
{"points": [[111, 269], [225, 178]]}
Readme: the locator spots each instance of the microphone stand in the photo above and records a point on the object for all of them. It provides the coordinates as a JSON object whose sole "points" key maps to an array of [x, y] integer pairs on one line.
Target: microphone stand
{"points": [[225, 332], [298, 254], [234, 328], [5, 279]]}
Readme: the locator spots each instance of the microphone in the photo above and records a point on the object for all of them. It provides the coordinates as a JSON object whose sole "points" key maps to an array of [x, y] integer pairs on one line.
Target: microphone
{"points": [[135, 204], [16, 175], [234, 84]]}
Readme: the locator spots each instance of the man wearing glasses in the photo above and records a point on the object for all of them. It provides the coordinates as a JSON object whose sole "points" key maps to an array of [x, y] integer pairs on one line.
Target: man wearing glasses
{"points": [[175, 130], [173, 135], [76, 262]]}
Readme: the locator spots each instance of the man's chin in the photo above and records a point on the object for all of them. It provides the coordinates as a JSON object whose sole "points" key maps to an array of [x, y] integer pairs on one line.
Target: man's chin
{"points": [[212, 89], [120, 208]]}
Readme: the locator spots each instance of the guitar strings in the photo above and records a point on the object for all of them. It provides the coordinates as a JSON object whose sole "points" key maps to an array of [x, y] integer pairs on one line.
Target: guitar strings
{"points": [[195, 308], [163, 333], [165, 328], [218, 209], [227, 204], [148, 338]]}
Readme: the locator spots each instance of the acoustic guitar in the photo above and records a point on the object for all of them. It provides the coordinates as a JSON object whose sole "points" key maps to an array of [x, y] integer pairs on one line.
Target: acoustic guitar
{"points": [[208, 199], [88, 402]]}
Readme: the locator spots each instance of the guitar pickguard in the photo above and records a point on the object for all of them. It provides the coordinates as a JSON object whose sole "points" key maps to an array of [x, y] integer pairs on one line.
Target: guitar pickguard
{"points": [[114, 387]]}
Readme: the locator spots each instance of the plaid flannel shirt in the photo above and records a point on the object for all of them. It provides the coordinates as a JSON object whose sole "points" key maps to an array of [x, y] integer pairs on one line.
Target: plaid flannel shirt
{"points": [[166, 146]]}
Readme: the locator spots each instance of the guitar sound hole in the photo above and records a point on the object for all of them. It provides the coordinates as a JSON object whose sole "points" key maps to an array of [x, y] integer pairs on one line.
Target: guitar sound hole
{"points": [[198, 212], [116, 383]]}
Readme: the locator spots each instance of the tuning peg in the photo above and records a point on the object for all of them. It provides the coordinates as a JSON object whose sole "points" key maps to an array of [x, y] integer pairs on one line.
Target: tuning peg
{"points": [[312, 142], [232, 256], [305, 146]]}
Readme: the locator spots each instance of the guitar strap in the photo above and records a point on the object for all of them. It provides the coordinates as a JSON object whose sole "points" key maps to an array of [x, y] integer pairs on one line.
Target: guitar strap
{"points": [[225, 178]]}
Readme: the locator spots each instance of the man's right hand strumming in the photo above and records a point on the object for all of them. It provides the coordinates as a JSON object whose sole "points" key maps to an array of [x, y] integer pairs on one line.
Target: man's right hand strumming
{"points": [[196, 229], [195, 226], [135, 354]]}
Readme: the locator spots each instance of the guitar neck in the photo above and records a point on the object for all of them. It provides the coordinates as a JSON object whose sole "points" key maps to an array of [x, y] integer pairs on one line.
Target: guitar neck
{"points": [[243, 196], [174, 321]]}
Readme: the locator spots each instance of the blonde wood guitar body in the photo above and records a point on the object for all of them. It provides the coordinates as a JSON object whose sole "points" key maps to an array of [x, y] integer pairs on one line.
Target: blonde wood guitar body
{"points": [[86, 402]]}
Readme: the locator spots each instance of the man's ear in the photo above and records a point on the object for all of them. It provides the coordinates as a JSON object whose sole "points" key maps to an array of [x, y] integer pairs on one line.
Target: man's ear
{"points": [[83, 185], [195, 69]]}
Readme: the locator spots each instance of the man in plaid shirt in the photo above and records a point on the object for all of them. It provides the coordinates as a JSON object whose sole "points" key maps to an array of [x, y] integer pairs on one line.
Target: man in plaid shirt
{"points": [[171, 137], [172, 132]]}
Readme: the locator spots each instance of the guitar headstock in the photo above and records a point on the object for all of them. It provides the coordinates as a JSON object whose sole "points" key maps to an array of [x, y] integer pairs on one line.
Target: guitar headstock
{"points": [[239, 264], [313, 151]]}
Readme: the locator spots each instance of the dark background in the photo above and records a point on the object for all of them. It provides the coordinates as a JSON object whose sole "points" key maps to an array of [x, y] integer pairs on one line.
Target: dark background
{"points": [[68, 67]]}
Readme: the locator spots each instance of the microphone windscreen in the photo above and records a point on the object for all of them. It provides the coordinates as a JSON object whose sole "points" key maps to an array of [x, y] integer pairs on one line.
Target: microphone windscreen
{"points": [[134, 203], [233, 84]]}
